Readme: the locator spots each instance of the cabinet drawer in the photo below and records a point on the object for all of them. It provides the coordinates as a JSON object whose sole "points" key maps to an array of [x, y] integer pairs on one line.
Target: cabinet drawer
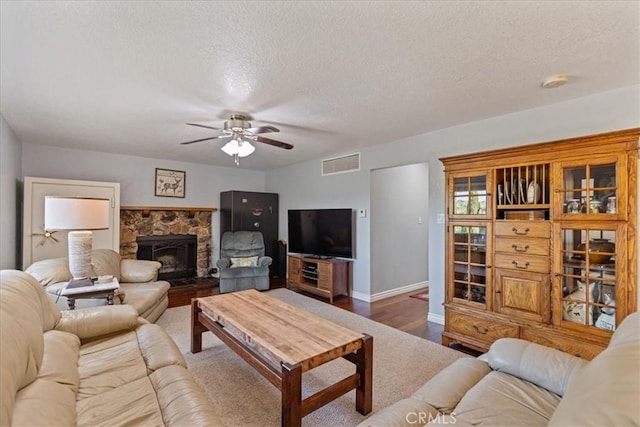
{"points": [[523, 229], [324, 284], [584, 350], [522, 246], [481, 329], [534, 263]]}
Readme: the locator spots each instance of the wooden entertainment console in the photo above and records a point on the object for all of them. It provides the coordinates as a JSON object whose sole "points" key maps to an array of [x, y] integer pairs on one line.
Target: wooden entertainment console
{"points": [[326, 277]]}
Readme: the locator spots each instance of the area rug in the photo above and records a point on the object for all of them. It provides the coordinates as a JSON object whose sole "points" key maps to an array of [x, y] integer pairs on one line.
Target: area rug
{"points": [[423, 295], [242, 397]]}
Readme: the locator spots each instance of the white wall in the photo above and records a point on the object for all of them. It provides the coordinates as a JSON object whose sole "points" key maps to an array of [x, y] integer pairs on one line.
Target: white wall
{"points": [[136, 176], [10, 189], [399, 232], [302, 186]]}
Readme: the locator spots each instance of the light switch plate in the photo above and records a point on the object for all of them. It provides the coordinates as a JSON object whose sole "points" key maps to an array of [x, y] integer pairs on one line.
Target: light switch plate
{"points": [[362, 213], [440, 218]]}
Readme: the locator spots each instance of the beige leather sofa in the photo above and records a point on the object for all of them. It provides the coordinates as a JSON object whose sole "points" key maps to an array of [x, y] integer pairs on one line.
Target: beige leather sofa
{"points": [[518, 383], [138, 284], [100, 366]]}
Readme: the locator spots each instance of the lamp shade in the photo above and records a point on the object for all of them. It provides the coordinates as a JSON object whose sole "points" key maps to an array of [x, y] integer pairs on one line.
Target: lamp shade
{"points": [[238, 147], [75, 213]]}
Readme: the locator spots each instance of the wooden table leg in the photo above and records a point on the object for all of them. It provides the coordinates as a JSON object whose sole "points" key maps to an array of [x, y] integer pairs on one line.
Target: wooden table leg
{"points": [[197, 328], [364, 368], [291, 390]]}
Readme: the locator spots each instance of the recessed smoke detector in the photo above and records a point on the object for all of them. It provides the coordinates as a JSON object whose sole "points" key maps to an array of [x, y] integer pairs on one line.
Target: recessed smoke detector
{"points": [[554, 81]]}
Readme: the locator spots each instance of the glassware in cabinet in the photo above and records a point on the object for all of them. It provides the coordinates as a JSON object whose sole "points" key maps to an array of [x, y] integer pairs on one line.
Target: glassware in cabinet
{"points": [[589, 276], [471, 249]]}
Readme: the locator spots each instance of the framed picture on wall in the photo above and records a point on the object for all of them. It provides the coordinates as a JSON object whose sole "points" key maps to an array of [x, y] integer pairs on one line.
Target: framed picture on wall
{"points": [[170, 183]]}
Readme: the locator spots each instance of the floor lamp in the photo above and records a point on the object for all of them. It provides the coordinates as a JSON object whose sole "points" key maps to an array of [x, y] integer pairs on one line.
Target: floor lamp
{"points": [[79, 215]]}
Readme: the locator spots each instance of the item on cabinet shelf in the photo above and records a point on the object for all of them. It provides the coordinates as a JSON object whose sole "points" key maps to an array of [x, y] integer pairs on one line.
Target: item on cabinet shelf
{"points": [[500, 194], [573, 206], [522, 183], [574, 309], [595, 206], [533, 192], [597, 249], [612, 206]]}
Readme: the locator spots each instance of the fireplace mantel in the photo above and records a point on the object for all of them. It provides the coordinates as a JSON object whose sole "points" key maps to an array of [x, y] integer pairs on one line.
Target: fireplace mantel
{"points": [[146, 210]]}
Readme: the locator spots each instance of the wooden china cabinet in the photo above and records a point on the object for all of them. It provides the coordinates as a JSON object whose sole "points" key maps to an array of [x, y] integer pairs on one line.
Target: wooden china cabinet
{"points": [[541, 243]]}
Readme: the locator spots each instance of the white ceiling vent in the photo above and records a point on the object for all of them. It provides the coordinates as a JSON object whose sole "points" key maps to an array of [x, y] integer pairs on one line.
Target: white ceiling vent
{"points": [[342, 164]]}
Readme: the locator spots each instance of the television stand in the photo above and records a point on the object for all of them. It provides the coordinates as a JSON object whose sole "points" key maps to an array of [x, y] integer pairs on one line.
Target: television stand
{"points": [[319, 256], [322, 276]]}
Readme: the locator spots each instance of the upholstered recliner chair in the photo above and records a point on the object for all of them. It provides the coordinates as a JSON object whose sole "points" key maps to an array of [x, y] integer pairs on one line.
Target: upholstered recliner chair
{"points": [[242, 262]]}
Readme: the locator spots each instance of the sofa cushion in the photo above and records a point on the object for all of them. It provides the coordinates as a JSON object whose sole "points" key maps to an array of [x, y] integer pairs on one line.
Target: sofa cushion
{"points": [[105, 262], [50, 271], [543, 366], [139, 271], [143, 297], [500, 399], [606, 391], [51, 398], [25, 313]]}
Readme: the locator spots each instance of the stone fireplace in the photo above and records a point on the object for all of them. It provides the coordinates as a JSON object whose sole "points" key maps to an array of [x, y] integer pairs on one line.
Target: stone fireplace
{"points": [[142, 230]]}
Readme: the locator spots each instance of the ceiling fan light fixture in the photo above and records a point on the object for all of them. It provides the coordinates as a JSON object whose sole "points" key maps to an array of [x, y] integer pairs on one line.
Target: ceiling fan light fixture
{"points": [[238, 147]]}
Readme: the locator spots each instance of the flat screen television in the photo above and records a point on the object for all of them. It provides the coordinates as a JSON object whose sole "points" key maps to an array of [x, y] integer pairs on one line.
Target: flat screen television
{"points": [[321, 232]]}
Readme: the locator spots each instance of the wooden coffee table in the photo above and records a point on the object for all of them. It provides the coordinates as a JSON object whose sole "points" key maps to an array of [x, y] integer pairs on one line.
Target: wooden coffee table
{"points": [[281, 342]]}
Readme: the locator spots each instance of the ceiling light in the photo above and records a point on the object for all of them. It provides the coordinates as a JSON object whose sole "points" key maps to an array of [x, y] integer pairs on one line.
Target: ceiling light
{"points": [[238, 148], [554, 81]]}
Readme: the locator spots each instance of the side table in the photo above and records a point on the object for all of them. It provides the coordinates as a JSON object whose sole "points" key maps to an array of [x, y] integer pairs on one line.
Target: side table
{"points": [[99, 290]]}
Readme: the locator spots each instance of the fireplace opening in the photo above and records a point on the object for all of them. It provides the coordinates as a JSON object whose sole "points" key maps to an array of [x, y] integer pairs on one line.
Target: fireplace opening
{"points": [[177, 254]]}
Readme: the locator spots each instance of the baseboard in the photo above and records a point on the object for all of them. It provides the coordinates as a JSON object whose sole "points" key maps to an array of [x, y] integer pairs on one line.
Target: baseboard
{"points": [[391, 292], [435, 318]]}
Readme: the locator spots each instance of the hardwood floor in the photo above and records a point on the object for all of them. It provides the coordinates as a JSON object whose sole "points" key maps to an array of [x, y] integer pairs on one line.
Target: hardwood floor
{"points": [[399, 311]]}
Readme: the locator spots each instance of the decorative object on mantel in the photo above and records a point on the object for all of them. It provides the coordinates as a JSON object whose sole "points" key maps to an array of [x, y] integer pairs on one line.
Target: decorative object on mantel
{"points": [[170, 183]]}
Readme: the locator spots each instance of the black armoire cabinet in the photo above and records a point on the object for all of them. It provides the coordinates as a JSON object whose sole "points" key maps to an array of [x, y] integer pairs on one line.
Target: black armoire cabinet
{"points": [[252, 211]]}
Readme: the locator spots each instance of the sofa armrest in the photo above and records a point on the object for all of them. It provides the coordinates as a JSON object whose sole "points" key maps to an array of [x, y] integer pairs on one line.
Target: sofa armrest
{"points": [[138, 271], [265, 261], [223, 263], [546, 367], [97, 321], [447, 388]]}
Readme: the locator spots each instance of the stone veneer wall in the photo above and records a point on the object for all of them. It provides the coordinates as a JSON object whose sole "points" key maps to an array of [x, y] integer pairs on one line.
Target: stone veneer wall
{"points": [[136, 222]]}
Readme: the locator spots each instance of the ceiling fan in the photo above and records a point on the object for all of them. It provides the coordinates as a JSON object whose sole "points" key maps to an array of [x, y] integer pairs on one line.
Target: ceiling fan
{"points": [[237, 134]]}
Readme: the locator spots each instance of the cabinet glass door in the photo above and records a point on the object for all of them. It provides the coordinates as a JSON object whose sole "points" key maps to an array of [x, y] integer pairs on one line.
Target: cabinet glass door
{"points": [[590, 277], [469, 197], [591, 189], [470, 256]]}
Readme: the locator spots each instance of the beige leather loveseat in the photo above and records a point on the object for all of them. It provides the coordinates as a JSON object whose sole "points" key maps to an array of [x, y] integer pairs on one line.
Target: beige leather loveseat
{"points": [[100, 366], [518, 383], [138, 284]]}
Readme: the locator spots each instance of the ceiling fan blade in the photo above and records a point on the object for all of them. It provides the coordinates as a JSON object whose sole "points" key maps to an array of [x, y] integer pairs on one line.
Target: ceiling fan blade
{"points": [[262, 129], [203, 126], [199, 140], [273, 142]]}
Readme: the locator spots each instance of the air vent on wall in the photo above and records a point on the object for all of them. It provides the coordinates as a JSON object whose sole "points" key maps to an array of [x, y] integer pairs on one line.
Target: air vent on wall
{"points": [[342, 164]]}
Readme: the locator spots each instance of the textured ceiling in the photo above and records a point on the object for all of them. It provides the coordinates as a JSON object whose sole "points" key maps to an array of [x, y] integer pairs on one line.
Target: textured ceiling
{"points": [[125, 77]]}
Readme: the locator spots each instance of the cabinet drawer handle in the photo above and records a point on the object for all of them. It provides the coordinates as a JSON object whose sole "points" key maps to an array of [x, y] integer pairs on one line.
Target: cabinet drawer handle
{"points": [[480, 331], [520, 248], [521, 267], [520, 233]]}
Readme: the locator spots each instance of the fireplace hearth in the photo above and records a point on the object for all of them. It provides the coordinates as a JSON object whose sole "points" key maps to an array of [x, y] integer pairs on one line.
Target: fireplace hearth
{"points": [[176, 253]]}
